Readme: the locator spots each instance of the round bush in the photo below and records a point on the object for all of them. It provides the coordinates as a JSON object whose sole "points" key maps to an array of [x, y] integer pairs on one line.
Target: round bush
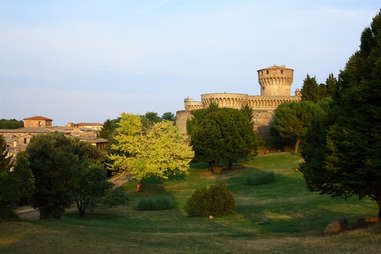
{"points": [[216, 200], [115, 197], [260, 178], [155, 203]]}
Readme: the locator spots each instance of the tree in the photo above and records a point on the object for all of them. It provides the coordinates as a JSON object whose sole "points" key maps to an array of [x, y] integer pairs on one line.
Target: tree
{"points": [[331, 84], [168, 116], [292, 119], [108, 129], [158, 151], [342, 150], [52, 162], [24, 179], [90, 186], [5, 159], [152, 118], [310, 90], [11, 124], [221, 134]]}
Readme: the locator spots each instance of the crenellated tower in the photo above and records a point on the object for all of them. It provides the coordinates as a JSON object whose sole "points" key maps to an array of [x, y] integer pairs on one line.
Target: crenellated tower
{"points": [[275, 80], [275, 85]]}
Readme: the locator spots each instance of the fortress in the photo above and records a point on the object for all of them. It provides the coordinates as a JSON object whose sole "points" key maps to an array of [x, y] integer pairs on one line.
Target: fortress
{"points": [[275, 85]]}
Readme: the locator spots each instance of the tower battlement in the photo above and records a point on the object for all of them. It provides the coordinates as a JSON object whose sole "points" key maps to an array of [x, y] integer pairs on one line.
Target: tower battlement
{"points": [[275, 80]]}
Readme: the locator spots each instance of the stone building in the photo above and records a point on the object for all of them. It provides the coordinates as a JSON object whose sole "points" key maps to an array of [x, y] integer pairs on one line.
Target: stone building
{"points": [[93, 126], [37, 122], [275, 85], [18, 139]]}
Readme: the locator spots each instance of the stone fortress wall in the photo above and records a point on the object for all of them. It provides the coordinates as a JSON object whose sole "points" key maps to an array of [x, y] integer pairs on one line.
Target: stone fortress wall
{"points": [[275, 85]]}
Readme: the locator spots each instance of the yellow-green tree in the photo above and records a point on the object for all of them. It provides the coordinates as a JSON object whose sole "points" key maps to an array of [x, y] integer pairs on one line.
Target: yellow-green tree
{"points": [[158, 151]]}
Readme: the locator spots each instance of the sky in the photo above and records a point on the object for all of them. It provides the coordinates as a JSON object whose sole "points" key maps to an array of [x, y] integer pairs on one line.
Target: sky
{"points": [[90, 60]]}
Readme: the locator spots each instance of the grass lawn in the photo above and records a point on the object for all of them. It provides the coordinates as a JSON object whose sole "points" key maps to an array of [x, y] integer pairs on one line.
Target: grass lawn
{"points": [[296, 219]]}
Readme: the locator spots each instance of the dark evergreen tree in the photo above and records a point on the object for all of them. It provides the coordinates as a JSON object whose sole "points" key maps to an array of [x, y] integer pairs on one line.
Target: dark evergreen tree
{"points": [[52, 162], [11, 124], [90, 185], [310, 90], [168, 116], [108, 129], [221, 134], [331, 84], [5, 159], [292, 119], [342, 151]]}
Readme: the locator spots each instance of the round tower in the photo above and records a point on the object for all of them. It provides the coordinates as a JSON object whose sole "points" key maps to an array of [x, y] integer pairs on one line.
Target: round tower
{"points": [[276, 80]]}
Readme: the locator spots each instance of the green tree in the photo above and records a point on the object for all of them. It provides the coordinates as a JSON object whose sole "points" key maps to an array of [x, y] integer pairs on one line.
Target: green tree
{"points": [[331, 85], [342, 150], [90, 185], [108, 129], [11, 124], [168, 116], [310, 90], [24, 179], [221, 134], [5, 159], [292, 119], [52, 162], [151, 118], [158, 151]]}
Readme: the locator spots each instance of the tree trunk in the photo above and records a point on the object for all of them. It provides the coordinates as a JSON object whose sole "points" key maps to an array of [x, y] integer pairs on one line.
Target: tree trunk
{"points": [[212, 165], [81, 205], [379, 208], [297, 145], [230, 165]]}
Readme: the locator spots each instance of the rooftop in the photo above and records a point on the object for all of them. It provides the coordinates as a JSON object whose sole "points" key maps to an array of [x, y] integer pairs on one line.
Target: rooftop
{"points": [[38, 118]]}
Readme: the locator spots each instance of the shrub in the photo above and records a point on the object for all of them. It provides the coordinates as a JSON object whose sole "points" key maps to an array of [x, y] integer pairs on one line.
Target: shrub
{"points": [[155, 203], [115, 197], [260, 178], [216, 200]]}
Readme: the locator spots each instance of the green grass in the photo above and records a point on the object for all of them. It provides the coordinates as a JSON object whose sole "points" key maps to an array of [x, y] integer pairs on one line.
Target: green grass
{"points": [[296, 219]]}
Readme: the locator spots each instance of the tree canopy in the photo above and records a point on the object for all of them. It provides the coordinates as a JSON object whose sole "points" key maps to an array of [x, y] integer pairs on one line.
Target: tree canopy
{"points": [[312, 91], [5, 159], [56, 162], [11, 124], [157, 151], [221, 134], [342, 150], [168, 116], [292, 119]]}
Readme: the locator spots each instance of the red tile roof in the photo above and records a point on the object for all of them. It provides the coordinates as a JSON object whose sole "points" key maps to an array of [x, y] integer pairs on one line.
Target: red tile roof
{"points": [[38, 118]]}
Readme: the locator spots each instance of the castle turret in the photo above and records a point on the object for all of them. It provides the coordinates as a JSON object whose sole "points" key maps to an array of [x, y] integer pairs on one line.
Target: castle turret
{"points": [[275, 80], [190, 104]]}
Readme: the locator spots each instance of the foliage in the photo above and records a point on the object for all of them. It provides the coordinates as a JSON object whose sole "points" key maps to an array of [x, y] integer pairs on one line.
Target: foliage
{"points": [[221, 134], [8, 192], [52, 162], [24, 179], [155, 203], [115, 197], [108, 129], [90, 186], [259, 178], [5, 160], [292, 119], [342, 150], [158, 151], [168, 116], [216, 200], [11, 124], [149, 119], [310, 89]]}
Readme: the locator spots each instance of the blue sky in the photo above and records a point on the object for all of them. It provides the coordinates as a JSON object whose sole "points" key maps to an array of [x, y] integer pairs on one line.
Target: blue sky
{"points": [[89, 60]]}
